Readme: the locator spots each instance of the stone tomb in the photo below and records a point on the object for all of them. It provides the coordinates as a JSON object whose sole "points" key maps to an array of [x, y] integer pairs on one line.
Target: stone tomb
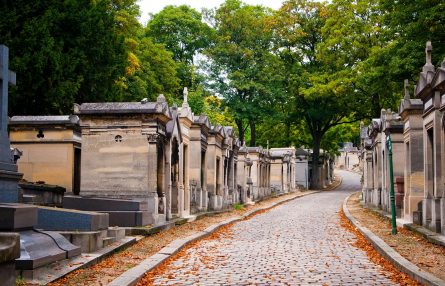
{"points": [[432, 131], [216, 162], [199, 131], [302, 168], [125, 153], [51, 148], [244, 179], [259, 172], [37, 247], [411, 112], [282, 169]]}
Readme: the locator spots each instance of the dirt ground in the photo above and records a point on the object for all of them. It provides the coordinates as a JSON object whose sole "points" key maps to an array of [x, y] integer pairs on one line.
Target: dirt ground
{"points": [[427, 256], [110, 268]]}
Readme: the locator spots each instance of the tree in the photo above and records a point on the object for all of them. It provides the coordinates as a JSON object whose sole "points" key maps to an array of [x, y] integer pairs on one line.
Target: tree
{"points": [[320, 83], [182, 31], [63, 52], [241, 62]]}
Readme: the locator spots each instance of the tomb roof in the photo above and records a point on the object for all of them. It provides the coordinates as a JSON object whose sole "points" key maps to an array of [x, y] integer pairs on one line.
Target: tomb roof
{"points": [[44, 120], [159, 107]]}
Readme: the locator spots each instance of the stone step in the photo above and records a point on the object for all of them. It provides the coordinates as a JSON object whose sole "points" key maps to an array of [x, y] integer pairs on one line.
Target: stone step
{"points": [[117, 232], [108, 240]]}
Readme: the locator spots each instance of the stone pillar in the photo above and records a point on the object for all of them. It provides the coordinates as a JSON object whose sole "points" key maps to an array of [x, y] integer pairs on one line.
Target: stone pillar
{"points": [[153, 199]]}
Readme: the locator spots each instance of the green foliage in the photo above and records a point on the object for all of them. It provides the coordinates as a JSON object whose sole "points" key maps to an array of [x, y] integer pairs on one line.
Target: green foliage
{"points": [[238, 207], [242, 69], [63, 52], [182, 31]]}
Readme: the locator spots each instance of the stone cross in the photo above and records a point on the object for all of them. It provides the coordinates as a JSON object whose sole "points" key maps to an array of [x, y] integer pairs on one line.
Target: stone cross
{"points": [[6, 77], [428, 51], [186, 93], [406, 86]]}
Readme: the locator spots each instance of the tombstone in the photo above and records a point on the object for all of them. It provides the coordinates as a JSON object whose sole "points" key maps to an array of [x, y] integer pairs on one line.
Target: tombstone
{"points": [[9, 176], [411, 112]]}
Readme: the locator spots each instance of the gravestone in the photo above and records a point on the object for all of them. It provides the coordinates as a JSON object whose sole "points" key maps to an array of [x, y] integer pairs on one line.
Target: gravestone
{"points": [[9, 176]]}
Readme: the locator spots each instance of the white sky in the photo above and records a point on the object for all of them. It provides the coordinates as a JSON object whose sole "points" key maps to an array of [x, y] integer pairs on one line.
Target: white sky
{"points": [[154, 6]]}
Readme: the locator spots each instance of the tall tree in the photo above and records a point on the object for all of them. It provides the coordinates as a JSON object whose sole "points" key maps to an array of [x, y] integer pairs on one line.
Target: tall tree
{"points": [[322, 86], [63, 52], [182, 30], [240, 61]]}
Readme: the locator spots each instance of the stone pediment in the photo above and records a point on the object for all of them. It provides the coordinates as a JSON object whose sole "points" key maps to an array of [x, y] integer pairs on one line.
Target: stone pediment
{"points": [[438, 82], [410, 105], [375, 127], [173, 126], [202, 120], [423, 89]]}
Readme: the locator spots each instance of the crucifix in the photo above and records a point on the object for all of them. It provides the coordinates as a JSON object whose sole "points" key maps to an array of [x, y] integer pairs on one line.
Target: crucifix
{"points": [[6, 77]]}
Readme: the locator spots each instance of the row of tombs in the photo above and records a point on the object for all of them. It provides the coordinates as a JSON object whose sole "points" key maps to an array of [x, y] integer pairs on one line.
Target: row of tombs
{"points": [[418, 147], [129, 165]]}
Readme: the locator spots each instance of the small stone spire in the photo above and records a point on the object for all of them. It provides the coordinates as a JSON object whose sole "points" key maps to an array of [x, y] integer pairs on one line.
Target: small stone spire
{"points": [[406, 87], [185, 93], [161, 98]]}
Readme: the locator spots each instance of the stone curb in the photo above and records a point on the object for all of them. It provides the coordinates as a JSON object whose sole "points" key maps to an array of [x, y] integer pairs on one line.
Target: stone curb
{"points": [[393, 256], [132, 276]]}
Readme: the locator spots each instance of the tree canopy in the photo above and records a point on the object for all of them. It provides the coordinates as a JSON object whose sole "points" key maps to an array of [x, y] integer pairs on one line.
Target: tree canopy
{"points": [[304, 74]]}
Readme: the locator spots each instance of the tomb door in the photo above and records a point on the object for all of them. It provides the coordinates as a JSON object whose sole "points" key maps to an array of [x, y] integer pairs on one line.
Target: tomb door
{"points": [[76, 178]]}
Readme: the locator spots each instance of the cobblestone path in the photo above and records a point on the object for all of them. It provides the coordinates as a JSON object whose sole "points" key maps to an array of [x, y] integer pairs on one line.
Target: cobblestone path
{"points": [[298, 243]]}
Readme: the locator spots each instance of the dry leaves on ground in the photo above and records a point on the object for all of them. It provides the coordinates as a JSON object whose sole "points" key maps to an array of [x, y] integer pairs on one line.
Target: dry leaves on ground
{"points": [[110, 268]]}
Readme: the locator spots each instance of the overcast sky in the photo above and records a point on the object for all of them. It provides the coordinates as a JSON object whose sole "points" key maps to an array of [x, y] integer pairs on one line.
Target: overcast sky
{"points": [[154, 6]]}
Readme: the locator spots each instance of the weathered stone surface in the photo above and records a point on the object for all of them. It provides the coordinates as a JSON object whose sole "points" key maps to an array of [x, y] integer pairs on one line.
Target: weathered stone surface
{"points": [[103, 204], [17, 216], [66, 219], [41, 248]]}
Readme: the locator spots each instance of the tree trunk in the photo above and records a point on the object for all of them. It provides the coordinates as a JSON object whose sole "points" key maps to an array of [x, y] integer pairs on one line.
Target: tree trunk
{"points": [[376, 108], [239, 124], [252, 133], [315, 180]]}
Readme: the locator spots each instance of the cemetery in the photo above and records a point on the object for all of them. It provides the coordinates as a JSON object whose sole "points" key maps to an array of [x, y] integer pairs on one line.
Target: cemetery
{"points": [[80, 182], [417, 136], [222, 143]]}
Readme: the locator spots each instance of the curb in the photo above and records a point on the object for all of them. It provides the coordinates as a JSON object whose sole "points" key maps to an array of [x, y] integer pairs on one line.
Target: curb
{"points": [[132, 276], [393, 256]]}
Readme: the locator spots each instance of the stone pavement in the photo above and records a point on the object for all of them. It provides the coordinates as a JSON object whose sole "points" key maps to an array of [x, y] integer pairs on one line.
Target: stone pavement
{"points": [[298, 243]]}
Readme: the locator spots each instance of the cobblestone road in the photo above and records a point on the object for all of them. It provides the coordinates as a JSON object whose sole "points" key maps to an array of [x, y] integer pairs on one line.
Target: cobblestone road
{"points": [[298, 243]]}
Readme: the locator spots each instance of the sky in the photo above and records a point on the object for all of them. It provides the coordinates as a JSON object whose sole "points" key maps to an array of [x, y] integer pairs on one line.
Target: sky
{"points": [[154, 6]]}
